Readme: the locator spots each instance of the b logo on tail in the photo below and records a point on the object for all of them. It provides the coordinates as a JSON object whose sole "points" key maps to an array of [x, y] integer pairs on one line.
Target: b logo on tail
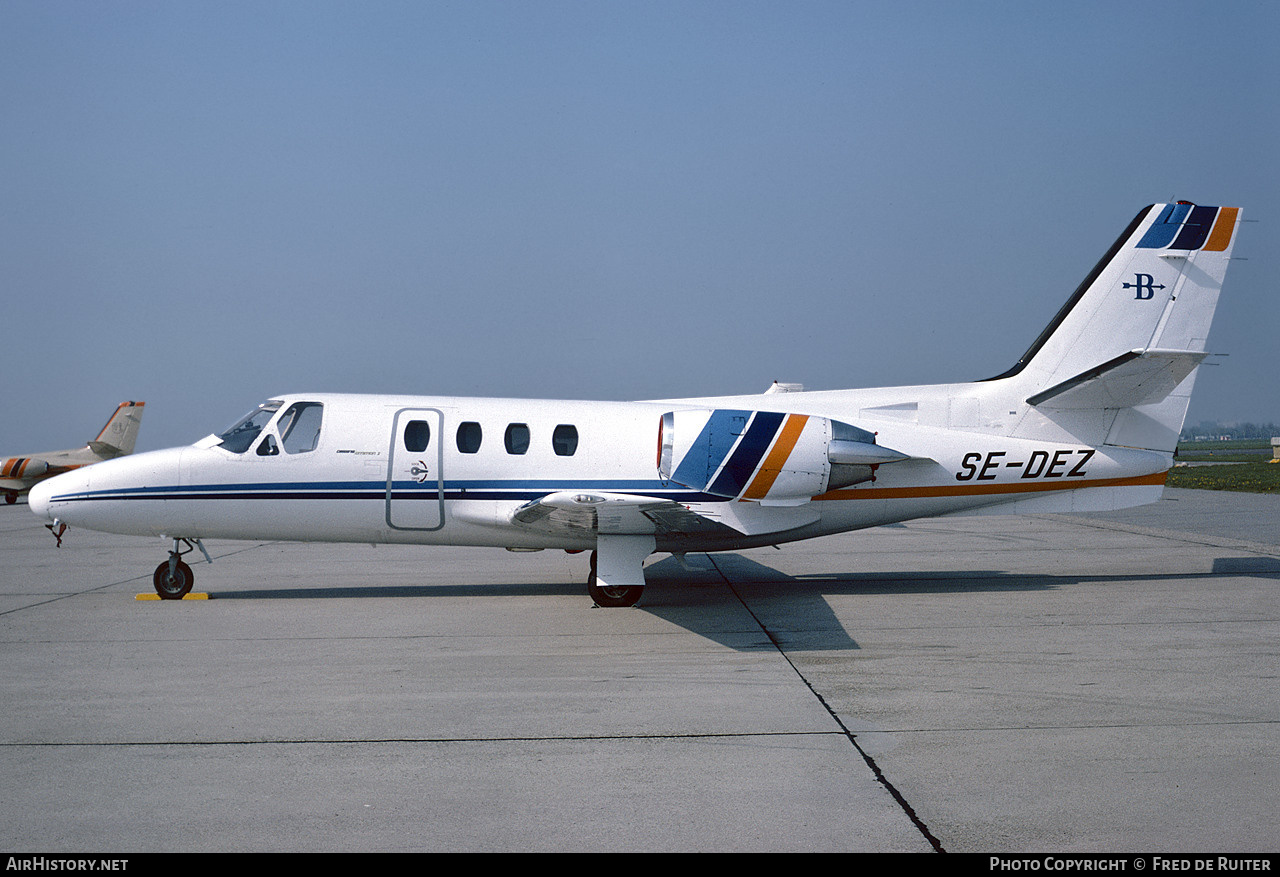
{"points": [[1144, 286]]}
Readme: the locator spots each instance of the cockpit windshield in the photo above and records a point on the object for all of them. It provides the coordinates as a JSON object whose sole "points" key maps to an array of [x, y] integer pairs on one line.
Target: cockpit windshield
{"points": [[296, 430], [239, 437]]}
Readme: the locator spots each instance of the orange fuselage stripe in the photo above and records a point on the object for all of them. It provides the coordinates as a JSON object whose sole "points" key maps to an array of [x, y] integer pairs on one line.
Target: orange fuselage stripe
{"points": [[943, 490]]}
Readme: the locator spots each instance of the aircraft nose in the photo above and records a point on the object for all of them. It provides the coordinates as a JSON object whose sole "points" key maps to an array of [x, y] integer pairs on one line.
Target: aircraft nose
{"points": [[38, 498]]}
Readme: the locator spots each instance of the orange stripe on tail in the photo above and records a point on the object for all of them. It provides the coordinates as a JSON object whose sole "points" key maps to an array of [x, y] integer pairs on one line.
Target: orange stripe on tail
{"points": [[1223, 229]]}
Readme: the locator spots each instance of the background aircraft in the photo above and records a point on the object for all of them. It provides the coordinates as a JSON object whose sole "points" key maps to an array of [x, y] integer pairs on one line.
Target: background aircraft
{"points": [[1087, 419], [117, 438]]}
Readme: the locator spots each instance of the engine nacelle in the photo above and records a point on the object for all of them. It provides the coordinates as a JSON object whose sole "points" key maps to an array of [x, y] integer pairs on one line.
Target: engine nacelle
{"points": [[23, 467], [764, 455]]}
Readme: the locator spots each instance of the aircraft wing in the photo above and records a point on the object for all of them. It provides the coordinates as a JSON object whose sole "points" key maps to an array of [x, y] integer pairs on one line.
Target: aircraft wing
{"points": [[628, 514]]}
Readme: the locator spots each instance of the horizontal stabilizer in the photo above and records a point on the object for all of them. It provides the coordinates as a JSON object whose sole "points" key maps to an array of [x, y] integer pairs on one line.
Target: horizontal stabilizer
{"points": [[1139, 377]]}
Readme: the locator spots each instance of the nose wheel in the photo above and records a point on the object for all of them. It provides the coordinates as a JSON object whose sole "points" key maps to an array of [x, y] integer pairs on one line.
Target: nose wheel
{"points": [[173, 578]]}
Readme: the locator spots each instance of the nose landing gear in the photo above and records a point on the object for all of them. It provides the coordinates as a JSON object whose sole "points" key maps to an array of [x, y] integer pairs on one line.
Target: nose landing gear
{"points": [[173, 578]]}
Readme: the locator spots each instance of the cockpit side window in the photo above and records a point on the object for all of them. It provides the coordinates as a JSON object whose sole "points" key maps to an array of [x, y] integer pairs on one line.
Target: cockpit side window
{"points": [[299, 427], [239, 437]]}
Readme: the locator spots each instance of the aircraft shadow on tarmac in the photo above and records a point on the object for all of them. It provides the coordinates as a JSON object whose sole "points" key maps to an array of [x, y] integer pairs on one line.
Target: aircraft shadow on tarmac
{"points": [[714, 595]]}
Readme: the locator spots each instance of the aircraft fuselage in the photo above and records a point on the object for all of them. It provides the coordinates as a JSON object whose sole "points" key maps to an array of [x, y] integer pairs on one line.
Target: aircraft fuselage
{"points": [[479, 460]]}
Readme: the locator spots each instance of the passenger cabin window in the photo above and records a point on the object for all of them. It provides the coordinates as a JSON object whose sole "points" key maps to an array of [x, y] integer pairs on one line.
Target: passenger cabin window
{"points": [[565, 440], [517, 438], [417, 435], [469, 436]]}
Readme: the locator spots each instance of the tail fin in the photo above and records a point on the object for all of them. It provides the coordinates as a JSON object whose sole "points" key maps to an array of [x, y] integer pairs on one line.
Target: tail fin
{"points": [[1126, 345], [120, 434]]}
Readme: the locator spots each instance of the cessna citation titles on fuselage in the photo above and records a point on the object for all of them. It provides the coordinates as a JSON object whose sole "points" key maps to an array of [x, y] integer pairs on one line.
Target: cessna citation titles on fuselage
{"points": [[1087, 419]]}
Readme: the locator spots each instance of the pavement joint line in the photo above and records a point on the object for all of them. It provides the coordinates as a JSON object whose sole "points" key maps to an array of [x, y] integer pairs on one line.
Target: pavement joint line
{"points": [[381, 741], [843, 732], [138, 578], [897, 796], [1002, 729]]}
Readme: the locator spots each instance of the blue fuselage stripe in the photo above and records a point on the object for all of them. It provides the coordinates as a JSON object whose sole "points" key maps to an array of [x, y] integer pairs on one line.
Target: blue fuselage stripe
{"points": [[400, 490]]}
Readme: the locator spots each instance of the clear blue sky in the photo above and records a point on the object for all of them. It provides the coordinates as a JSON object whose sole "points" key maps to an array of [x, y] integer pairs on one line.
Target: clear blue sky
{"points": [[208, 203]]}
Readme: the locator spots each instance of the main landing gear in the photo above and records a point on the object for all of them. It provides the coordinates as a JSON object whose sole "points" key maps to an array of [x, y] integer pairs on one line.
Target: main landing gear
{"points": [[611, 596], [617, 570], [173, 578]]}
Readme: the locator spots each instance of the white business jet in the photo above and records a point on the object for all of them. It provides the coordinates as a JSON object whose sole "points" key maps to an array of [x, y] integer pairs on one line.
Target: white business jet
{"points": [[1088, 419]]}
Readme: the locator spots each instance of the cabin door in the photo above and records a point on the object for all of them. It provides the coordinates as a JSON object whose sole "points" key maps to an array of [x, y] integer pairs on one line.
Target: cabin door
{"points": [[415, 470]]}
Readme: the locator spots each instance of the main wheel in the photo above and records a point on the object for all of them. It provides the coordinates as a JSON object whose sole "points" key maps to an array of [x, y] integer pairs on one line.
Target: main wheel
{"points": [[613, 596], [175, 586]]}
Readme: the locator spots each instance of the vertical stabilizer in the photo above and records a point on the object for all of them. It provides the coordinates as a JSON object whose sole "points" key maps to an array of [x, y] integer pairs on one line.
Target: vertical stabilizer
{"points": [[1118, 362], [120, 434]]}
